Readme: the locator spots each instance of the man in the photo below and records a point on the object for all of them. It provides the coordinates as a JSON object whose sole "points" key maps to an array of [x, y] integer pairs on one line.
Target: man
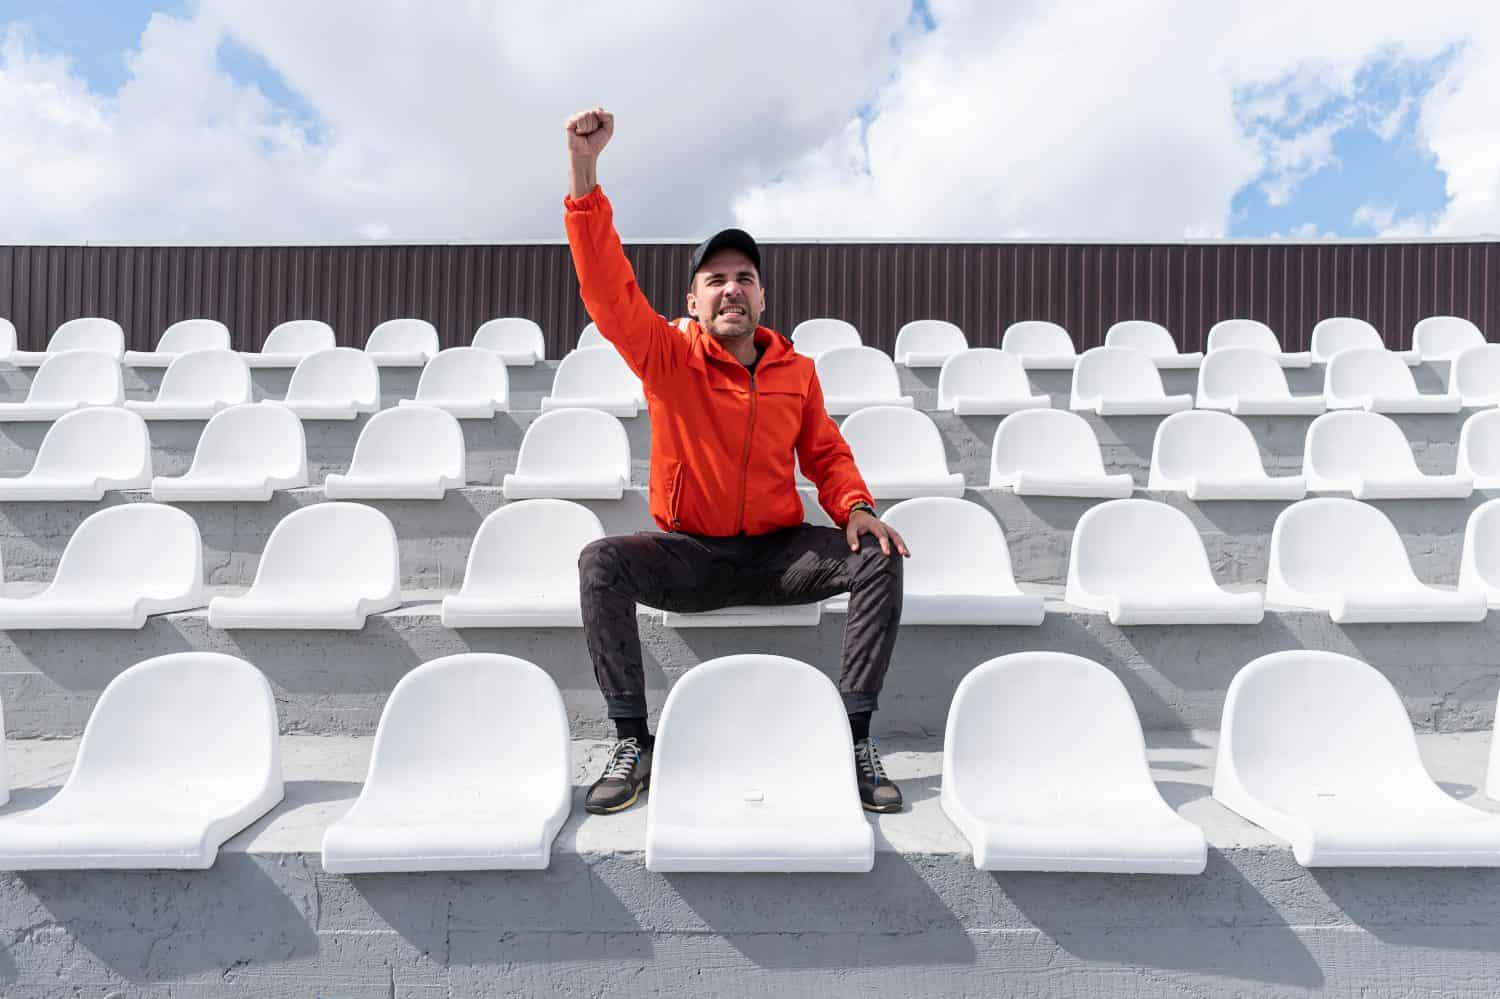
{"points": [[731, 402]]}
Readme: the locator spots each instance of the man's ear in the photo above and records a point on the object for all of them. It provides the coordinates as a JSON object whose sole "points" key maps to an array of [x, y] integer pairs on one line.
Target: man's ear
{"points": [[692, 305]]}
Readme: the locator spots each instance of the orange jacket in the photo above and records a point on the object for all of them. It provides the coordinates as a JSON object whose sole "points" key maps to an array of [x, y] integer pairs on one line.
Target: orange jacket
{"points": [[722, 438]]}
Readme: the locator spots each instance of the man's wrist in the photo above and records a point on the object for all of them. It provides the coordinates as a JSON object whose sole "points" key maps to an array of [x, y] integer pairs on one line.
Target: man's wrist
{"points": [[861, 505]]}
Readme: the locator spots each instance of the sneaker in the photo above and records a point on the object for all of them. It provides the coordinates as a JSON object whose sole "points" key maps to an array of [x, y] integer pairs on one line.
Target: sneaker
{"points": [[626, 775], [877, 792]]}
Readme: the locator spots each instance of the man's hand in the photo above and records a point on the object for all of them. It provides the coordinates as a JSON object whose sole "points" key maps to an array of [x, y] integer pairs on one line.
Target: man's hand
{"points": [[865, 522], [588, 133]]}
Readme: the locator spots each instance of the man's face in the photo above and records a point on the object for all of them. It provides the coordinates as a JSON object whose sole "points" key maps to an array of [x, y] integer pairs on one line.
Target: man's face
{"points": [[726, 297]]}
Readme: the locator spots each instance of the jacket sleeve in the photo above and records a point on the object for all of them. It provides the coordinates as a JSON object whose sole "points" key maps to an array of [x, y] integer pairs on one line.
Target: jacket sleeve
{"points": [[606, 281], [827, 461]]}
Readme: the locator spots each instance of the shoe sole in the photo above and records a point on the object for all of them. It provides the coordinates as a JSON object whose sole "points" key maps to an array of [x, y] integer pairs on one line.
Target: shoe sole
{"points": [[610, 810], [881, 809]]}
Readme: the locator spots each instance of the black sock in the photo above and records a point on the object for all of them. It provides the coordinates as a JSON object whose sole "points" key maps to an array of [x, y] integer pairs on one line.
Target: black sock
{"points": [[859, 724], [628, 728]]}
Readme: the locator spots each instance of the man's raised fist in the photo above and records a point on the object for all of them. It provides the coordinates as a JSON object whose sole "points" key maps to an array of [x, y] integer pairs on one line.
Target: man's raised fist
{"points": [[589, 132]]}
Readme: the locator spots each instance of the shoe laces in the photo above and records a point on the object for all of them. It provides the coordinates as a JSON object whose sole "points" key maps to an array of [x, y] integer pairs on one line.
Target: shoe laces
{"points": [[622, 759], [867, 758]]}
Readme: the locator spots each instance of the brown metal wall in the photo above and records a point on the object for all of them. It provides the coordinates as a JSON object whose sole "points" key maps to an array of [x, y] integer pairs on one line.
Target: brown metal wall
{"points": [[981, 287]]}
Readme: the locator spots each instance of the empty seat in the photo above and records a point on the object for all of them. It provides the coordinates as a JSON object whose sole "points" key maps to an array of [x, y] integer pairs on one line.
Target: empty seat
{"points": [[1316, 747], [1227, 334], [402, 343], [1340, 333], [288, 343], [927, 343], [1249, 382], [791, 805], [1377, 380], [182, 337], [85, 453], [197, 385], [1041, 346], [8, 340], [1344, 557], [518, 341], [591, 337], [470, 771], [122, 564], [1366, 454], [245, 453], [1153, 340], [900, 453], [414, 452], [812, 337], [1142, 562], [65, 382], [1044, 769], [595, 378], [1474, 376], [91, 333], [523, 568], [1442, 338], [180, 753], [983, 381], [1051, 452], [1479, 449], [571, 454], [788, 616], [855, 377], [1479, 567], [324, 566], [1118, 381], [469, 382], [337, 384], [1213, 456]]}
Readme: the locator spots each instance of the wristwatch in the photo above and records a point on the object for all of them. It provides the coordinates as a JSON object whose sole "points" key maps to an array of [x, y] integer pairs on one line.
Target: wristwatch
{"points": [[861, 505]]}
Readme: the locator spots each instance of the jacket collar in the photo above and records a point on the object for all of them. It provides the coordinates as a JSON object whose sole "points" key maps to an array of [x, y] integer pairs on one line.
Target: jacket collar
{"points": [[706, 347]]}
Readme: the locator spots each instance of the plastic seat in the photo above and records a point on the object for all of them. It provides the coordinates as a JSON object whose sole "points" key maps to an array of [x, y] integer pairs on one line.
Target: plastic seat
{"points": [[1248, 382], [122, 564], [1474, 376], [1377, 380], [1029, 799], [595, 378], [245, 453], [1041, 346], [1442, 338], [414, 452], [812, 337], [1213, 456], [983, 381], [1052, 452], [1344, 557], [791, 805], [1366, 455], [788, 616], [85, 453], [471, 383], [324, 566], [182, 337], [337, 384], [523, 568], [65, 382], [8, 341], [91, 334], [1118, 381], [180, 753], [900, 453], [1479, 567], [591, 337], [1479, 449], [927, 343], [856, 377], [1153, 340], [197, 385], [288, 343], [1143, 562], [1228, 334], [470, 771], [402, 343], [1340, 333], [1317, 748], [571, 454], [518, 341]]}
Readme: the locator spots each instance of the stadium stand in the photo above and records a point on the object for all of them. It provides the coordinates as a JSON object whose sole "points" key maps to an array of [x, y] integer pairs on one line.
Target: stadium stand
{"points": [[1118, 381], [84, 454], [90, 333], [1153, 340], [471, 383], [1247, 381], [1366, 455], [197, 385], [1051, 452], [411, 452], [402, 343], [571, 454], [1212, 456], [1227, 334], [245, 454], [927, 343], [182, 337]]}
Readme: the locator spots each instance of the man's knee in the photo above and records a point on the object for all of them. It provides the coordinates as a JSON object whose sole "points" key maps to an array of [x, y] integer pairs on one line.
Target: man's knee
{"points": [[599, 563], [875, 564]]}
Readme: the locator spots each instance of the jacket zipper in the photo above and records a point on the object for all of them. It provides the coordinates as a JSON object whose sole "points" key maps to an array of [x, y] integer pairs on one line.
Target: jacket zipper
{"points": [[739, 523]]}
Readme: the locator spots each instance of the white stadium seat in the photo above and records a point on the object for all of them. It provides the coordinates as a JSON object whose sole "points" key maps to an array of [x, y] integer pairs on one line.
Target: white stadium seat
{"points": [[1340, 333], [413, 452], [1479, 449], [1044, 769], [899, 453], [791, 805], [180, 753], [65, 382], [470, 771], [523, 568], [1366, 455], [1041, 346], [1317, 748], [1345, 558], [245, 453], [182, 337], [123, 564], [1153, 340], [571, 454], [789, 616], [469, 382], [812, 337], [1474, 376], [8, 341], [91, 333], [402, 343], [595, 378], [197, 385], [1377, 380], [1227, 334], [927, 343], [337, 384], [591, 337], [983, 381], [1118, 381], [1479, 566], [1442, 338], [325, 566], [1213, 456], [856, 377], [85, 453], [1248, 382], [1052, 452], [518, 341], [288, 343]]}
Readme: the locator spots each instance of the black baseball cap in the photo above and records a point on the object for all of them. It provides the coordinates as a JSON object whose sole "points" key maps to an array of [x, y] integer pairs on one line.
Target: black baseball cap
{"points": [[725, 239]]}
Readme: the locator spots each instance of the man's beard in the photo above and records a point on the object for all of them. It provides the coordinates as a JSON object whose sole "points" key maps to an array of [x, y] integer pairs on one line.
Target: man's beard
{"points": [[738, 334]]}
